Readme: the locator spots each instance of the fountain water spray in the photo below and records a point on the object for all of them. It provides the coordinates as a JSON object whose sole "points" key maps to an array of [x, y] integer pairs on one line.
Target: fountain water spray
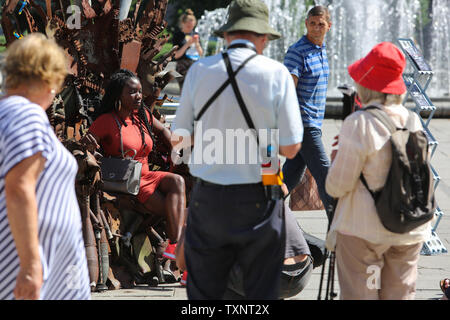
{"points": [[357, 27]]}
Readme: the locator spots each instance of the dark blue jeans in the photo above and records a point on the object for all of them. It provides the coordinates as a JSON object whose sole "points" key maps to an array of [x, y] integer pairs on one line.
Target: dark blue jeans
{"points": [[311, 155]]}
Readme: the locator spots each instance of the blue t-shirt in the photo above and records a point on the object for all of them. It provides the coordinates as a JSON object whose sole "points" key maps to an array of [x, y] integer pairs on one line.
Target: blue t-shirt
{"points": [[309, 63]]}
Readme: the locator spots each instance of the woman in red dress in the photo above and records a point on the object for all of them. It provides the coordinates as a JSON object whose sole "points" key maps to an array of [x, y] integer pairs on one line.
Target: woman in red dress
{"points": [[160, 192]]}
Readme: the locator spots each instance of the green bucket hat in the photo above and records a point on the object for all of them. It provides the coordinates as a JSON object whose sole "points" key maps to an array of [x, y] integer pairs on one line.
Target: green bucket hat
{"points": [[248, 15]]}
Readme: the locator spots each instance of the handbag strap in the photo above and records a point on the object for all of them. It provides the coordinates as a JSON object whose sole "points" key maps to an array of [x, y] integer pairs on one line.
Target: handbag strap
{"points": [[120, 134], [121, 139]]}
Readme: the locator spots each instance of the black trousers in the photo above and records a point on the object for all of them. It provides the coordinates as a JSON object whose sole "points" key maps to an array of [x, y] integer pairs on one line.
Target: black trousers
{"points": [[228, 225], [294, 279]]}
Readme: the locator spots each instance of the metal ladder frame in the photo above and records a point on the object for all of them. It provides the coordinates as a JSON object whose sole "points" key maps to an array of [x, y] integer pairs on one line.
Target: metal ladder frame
{"points": [[417, 83]]}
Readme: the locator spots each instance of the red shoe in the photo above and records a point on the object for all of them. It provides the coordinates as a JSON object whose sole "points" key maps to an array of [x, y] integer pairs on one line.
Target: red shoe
{"points": [[169, 253], [183, 280]]}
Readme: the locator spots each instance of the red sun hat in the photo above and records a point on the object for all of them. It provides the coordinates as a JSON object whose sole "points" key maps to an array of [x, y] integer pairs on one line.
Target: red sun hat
{"points": [[381, 70]]}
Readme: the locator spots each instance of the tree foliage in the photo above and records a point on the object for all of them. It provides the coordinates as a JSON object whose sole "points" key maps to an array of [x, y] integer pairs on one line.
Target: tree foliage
{"points": [[198, 6]]}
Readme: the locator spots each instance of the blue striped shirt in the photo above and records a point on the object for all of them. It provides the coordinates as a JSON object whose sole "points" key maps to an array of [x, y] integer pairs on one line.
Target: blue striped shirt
{"points": [[309, 63], [24, 132]]}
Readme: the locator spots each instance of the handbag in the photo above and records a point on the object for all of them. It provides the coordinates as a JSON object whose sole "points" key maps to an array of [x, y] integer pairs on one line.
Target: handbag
{"points": [[305, 196], [121, 175]]}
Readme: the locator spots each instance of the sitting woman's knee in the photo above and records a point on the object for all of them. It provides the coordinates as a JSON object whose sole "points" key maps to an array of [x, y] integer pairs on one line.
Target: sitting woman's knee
{"points": [[178, 183]]}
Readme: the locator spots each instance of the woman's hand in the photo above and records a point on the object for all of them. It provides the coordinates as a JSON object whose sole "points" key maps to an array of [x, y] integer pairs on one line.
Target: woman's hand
{"points": [[333, 155], [334, 152], [336, 142], [197, 44], [29, 281], [90, 142], [191, 40]]}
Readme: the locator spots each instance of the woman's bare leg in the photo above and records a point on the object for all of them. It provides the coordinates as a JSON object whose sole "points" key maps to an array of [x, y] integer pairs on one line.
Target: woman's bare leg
{"points": [[170, 202]]}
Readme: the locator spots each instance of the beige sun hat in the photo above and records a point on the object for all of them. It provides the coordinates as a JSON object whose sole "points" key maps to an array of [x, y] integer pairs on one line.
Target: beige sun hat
{"points": [[248, 15]]}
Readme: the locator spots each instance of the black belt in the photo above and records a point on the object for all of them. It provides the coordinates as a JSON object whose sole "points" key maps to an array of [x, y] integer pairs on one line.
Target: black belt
{"points": [[271, 192], [210, 184]]}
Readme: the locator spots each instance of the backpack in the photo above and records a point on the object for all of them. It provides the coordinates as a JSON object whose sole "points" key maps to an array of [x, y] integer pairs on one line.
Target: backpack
{"points": [[407, 199]]}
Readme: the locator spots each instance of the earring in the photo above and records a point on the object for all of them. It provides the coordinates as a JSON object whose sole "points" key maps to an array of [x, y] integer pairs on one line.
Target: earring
{"points": [[53, 91]]}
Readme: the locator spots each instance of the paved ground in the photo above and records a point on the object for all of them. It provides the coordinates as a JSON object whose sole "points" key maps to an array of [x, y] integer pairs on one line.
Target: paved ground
{"points": [[431, 268]]}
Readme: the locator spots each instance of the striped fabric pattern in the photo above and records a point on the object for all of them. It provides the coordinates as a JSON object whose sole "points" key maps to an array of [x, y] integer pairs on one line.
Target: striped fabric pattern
{"points": [[309, 63], [25, 131]]}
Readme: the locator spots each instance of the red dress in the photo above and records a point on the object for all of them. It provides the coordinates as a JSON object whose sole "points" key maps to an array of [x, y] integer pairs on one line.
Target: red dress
{"points": [[105, 128]]}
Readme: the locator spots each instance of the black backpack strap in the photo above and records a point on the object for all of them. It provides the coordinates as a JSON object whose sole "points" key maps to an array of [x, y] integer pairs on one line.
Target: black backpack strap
{"points": [[238, 94], [383, 117], [221, 89], [372, 193], [378, 113]]}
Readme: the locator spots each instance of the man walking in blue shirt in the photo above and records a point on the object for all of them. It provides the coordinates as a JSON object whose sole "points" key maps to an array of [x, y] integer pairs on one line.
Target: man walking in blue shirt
{"points": [[307, 62]]}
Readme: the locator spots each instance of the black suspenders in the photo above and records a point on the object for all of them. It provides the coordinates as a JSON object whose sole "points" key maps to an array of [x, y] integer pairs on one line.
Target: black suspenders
{"points": [[232, 80], [272, 192]]}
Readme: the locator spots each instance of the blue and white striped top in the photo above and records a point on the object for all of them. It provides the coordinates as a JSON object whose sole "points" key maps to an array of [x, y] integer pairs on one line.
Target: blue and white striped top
{"points": [[25, 131], [309, 63]]}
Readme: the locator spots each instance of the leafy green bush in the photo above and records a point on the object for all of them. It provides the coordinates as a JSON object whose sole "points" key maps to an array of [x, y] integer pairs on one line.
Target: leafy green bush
{"points": [[166, 48], [2, 41]]}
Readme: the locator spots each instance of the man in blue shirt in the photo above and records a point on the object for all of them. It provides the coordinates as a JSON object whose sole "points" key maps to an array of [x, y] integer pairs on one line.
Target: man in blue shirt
{"points": [[307, 62]]}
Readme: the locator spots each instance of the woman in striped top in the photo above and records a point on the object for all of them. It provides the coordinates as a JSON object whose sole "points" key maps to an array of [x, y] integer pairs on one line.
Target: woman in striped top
{"points": [[42, 252]]}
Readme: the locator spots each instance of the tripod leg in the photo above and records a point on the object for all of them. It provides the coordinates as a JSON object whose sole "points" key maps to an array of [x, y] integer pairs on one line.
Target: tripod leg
{"points": [[333, 262], [327, 293], [319, 297]]}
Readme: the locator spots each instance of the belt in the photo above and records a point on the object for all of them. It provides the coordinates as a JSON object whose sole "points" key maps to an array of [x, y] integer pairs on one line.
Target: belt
{"points": [[215, 185], [271, 192]]}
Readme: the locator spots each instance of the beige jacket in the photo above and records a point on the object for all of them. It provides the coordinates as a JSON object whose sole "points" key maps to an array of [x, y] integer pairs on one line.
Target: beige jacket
{"points": [[364, 146]]}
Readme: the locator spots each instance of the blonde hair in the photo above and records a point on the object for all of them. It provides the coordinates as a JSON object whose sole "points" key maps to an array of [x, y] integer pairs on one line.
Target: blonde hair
{"points": [[367, 95], [188, 14], [35, 59]]}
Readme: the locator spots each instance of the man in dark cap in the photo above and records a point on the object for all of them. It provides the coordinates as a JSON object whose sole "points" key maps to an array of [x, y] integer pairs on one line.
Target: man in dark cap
{"points": [[233, 216]]}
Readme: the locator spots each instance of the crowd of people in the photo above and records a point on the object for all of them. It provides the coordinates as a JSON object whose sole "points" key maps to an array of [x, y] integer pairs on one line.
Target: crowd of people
{"points": [[237, 239]]}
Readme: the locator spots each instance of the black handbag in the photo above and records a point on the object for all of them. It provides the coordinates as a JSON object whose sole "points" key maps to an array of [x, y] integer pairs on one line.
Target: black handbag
{"points": [[121, 175]]}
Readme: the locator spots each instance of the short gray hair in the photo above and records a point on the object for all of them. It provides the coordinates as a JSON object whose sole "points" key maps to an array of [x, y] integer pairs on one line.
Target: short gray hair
{"points": [[367, 95]]}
